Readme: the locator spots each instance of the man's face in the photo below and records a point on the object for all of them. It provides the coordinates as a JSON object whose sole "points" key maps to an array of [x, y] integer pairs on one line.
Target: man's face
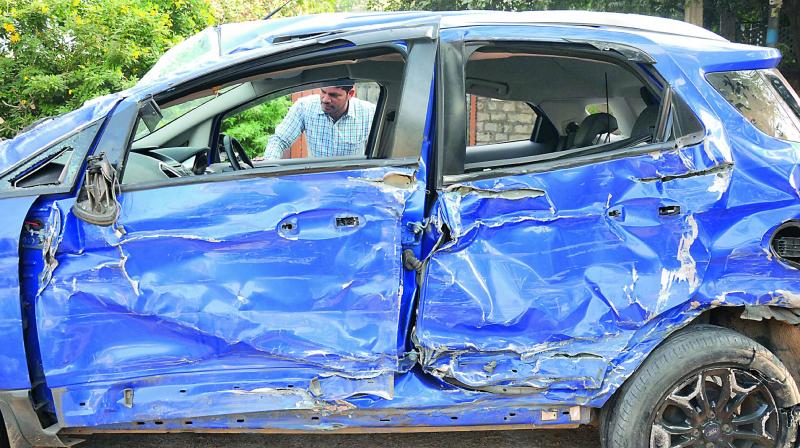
{"points": [[334, 101]]}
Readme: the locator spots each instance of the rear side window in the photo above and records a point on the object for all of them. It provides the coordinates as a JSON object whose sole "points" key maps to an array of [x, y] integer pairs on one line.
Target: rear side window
{"points": [[764, 98]]}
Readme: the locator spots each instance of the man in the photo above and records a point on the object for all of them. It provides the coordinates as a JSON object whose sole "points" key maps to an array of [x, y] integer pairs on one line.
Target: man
{"points": [[335, 122]]}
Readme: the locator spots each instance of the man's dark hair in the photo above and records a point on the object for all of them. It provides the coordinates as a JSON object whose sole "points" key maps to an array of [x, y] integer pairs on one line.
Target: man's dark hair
{"points": [[345, 87]]}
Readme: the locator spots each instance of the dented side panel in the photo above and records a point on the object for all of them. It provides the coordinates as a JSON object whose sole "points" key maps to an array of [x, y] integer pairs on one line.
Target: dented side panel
{"points": [[547, 277], [262, 294], [13, 363], [558, 285]]}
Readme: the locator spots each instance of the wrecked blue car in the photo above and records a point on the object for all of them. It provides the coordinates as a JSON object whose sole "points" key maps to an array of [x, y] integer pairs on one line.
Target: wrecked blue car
{"points": [[558, 219]]}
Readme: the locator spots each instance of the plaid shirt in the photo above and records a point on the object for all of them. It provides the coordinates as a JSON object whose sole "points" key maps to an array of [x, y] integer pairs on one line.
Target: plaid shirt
{"points": [[326, 138]]}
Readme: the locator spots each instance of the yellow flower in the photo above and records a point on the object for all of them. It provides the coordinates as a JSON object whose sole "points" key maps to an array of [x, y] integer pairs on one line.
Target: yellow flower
{"points": [[69, 92], [26, 78], [44, 9], [76, 2], [78, 20], [9, 27], [14, 38]]}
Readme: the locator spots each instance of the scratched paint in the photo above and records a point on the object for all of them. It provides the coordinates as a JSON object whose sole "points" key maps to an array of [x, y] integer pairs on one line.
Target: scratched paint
{"points": [[230, 290], [284, 298]]}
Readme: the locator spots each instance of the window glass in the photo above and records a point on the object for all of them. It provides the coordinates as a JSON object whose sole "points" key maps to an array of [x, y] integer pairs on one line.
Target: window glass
{"points": [[762, 98], [301, 112], [785, 91], [526, 105], [176, 111]]}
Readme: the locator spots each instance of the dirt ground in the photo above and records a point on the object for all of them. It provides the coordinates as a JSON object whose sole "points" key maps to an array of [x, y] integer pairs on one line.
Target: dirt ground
{"points": [[540, 438]]}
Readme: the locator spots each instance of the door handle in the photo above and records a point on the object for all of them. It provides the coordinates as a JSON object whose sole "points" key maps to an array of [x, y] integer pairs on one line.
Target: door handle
{"points": [[669, 210], [347, 221]]}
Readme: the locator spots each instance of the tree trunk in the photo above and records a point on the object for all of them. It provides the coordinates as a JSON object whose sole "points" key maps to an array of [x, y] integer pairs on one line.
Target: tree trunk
{"points": [[693, 12], [792, 10], [727, 21]]}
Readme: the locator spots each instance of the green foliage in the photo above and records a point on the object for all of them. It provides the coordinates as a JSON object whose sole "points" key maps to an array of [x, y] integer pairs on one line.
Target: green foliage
{"points": [[664, 8], [453, 5], [227, 11], [56, 54], [253, 127]]}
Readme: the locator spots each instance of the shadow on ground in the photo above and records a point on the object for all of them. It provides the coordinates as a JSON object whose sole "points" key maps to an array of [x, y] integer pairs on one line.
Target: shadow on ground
{"points": [[542, 438]]}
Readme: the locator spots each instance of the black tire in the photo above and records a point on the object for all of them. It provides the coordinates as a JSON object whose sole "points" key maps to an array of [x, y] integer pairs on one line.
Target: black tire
{"points": [[685, 380]]}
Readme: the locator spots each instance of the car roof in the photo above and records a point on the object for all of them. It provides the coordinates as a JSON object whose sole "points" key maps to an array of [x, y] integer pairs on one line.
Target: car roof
{"points": [[231, 42], [608, 20], [452, 19]]}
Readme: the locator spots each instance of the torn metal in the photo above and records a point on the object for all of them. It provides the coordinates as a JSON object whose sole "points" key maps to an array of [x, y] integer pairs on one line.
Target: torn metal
{"points": [[193, 300], [377, 297]]}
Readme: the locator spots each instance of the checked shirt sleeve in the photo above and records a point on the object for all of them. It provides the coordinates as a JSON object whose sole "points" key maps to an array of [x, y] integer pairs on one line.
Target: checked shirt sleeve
{"points": [[286, 132]]}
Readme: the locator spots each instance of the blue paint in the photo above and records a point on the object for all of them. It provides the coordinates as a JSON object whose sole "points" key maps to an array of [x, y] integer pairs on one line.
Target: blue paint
{"points": [[283, 297], [51, 131], [530, 286], [210, 280], [13, 364]]}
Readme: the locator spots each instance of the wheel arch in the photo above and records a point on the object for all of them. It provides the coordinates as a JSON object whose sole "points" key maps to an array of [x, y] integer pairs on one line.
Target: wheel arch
{"points": [[776, 328], [704, 344]]}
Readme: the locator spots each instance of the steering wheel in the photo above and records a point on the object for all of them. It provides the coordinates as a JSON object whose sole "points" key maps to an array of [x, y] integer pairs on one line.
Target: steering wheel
{"points": [[235, 151]]}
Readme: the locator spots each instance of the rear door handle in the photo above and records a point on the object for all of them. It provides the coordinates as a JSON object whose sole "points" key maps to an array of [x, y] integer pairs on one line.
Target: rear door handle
{"points": [[669, 210], [347, 221]]}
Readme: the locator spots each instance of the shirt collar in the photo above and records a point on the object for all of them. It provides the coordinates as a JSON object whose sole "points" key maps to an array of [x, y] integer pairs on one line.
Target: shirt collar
{"points": [[349, 112]]}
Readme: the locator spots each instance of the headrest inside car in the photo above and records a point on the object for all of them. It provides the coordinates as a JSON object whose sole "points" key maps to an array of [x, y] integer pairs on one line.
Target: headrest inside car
{"points": [[592, 126]]}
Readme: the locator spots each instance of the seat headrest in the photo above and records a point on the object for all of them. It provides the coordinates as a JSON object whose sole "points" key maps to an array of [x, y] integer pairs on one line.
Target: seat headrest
{"points": [[645, 123], [648, 97], [592, 126]]}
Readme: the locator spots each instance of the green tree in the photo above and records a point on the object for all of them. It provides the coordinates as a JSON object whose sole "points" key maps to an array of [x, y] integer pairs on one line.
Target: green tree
{"points": [[253, 127], [664, 8], [228, 11], [56, 54]]}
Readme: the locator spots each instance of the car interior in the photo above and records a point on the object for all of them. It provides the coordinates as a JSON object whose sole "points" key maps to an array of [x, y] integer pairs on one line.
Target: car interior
{"points": [[579, 105], [188, 142]]}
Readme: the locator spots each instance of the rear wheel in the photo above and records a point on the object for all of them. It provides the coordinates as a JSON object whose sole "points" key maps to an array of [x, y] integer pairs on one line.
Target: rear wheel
{"points": [[704, 387]]}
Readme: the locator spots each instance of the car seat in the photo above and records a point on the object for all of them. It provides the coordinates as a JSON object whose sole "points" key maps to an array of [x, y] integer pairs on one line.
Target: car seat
{"points": [[593, 127], [646, 121]]}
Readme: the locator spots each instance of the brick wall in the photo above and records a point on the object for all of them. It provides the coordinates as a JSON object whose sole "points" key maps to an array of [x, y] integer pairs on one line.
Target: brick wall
{"points": [[497, 121]]}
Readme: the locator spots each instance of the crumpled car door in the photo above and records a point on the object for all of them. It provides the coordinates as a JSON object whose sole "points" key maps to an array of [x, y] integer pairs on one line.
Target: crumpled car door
{"points": [[550, 278], [252, 294], [543, 279]]}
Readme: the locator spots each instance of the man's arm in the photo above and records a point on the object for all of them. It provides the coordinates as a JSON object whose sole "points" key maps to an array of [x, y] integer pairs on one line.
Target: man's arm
{"points": [[286, 132]]}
